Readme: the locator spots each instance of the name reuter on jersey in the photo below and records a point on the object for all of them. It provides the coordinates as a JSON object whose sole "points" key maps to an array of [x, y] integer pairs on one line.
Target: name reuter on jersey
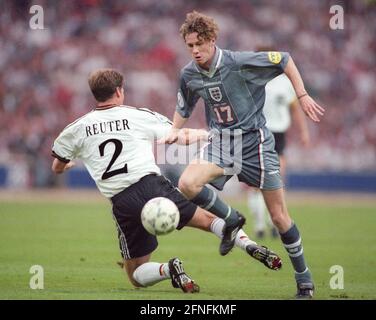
{"points": [[107, 126]]}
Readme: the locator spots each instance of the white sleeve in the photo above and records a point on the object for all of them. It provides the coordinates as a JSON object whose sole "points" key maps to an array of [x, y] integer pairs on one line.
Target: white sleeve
{"points": [[65, 147], [157, 124]]}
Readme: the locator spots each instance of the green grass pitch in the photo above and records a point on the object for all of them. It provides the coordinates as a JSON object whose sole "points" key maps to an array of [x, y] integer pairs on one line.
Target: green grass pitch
{"points": [[77, 246]]}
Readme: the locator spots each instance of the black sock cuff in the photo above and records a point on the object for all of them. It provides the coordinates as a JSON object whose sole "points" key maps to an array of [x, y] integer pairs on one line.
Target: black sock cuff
{"points": [[203, 198]]}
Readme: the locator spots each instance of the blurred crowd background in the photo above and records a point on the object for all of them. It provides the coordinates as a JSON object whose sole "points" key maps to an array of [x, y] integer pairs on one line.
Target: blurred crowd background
{"points": [[43, 79]]}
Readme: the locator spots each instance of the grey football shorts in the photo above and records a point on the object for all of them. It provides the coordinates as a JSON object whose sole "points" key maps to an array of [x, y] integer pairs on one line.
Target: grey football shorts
{"points": [[249, 155]]}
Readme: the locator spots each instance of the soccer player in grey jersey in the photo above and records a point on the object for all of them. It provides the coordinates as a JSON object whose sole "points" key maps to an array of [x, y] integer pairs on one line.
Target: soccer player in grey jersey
{"points": [[232, 85]]}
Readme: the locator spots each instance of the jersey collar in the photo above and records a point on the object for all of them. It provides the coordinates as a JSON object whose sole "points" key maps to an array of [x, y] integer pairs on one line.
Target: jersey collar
{"points": [[105, 107], [214, 65]]}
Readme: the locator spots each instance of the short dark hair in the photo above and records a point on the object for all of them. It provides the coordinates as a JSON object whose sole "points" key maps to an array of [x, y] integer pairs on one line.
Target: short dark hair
{"points": [[205, 26], [103, 83]]}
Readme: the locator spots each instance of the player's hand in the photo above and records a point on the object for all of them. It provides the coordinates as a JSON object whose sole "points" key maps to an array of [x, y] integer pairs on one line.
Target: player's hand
{"points": [[188, 136], [69, 165], [170, 138], [311, 108]]}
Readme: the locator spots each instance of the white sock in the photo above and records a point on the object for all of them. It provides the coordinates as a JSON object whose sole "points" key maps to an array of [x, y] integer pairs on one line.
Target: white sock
{"points": [[257, 205], [241, 240], [150, 273]]}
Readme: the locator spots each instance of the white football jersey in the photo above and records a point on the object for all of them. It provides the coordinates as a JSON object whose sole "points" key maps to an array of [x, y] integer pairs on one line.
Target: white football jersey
{"points": [[279, 94], [115, 145]]}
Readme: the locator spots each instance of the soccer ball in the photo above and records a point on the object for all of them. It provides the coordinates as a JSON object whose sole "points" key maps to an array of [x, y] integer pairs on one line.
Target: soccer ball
{"points": [[160, 216]]}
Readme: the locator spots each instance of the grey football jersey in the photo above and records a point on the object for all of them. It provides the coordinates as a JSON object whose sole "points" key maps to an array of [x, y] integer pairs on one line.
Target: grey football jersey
{"points": [[233, 89]]}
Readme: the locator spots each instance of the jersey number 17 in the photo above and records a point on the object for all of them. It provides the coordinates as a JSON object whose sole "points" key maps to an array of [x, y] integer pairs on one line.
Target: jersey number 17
{"points": [[224, 114]]}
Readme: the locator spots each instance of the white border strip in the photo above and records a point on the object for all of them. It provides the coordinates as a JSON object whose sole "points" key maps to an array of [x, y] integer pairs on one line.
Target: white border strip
{"points": [[219, 59], [294, 255], [122, 240], [262, 166]]}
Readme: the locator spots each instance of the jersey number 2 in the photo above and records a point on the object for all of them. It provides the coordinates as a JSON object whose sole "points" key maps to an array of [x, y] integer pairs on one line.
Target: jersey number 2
{"points": [[118, 148]]}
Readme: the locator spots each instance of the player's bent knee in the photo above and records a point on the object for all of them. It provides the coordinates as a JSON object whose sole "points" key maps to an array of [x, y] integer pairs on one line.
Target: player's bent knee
{"points": [[135, 283], [182, 185], [187, 185], [277, 220], [132, 267], [133, 277], [281, 221]]}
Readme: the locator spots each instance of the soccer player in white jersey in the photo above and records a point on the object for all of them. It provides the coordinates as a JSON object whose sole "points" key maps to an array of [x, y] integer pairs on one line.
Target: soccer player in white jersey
{"points": [[280, 109], [115, 142]]}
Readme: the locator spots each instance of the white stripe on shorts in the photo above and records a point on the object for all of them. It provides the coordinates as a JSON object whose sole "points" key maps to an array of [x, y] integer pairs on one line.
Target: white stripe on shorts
{"points": [[262, 166], [122, 240]]}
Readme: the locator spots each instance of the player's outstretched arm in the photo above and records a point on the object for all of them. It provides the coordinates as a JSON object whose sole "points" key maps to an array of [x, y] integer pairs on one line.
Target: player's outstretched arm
{"points": [[309, 106], [299, 118], [189, 136], [60, 166], [172, 136]]}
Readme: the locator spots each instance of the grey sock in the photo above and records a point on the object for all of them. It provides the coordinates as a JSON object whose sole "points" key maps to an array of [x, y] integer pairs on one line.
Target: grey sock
{"points": [[293, 244], [305, 276], [209, 200]]}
